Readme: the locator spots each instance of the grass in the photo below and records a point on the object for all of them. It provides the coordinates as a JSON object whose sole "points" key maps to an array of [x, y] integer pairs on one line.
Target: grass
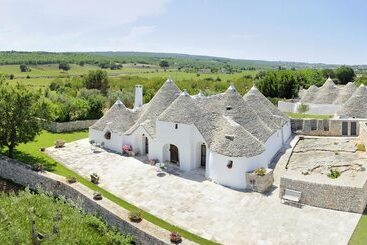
{"points": [[41, 76], [311, 116], [74, 226], [359, 236], [30, 153]]}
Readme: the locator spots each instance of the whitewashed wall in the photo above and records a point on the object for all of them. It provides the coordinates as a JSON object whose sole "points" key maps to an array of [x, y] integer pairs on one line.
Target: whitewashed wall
{"points": [[187, 139], [317, 109]]}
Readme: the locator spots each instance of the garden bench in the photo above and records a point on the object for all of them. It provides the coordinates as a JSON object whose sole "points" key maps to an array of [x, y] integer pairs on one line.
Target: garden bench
{"points": [[291, 196]]}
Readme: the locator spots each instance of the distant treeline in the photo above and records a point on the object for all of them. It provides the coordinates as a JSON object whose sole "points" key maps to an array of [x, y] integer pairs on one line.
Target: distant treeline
{"points": [[174, 60]]}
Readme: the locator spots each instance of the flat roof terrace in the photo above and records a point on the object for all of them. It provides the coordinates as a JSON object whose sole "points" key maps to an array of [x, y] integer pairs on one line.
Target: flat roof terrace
{"points": [[309, 171]]}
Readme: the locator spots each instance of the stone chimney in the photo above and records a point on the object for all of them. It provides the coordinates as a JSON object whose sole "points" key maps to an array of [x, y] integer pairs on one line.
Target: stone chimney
{"points": [[138, 96]]}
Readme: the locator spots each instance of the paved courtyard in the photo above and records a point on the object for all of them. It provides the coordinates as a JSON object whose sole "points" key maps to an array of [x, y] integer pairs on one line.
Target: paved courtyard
{"points": [[207, 209]]}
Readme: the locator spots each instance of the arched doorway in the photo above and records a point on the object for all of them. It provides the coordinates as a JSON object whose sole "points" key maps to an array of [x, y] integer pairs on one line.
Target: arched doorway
{"points": [[174, 158]]}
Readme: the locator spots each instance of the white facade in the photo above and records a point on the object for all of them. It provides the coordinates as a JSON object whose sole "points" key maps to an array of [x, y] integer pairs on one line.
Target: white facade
{"points": [[189, 141], [183, 144], [317, 109]]}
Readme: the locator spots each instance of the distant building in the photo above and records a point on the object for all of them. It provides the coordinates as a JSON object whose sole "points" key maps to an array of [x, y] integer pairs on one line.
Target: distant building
{"points": [[226, 134]]}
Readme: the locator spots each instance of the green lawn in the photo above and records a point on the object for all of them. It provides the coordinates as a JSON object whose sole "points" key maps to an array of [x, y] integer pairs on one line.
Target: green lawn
{"points": [[359, 236], [30, 153], [311, 116], [74, 226]]}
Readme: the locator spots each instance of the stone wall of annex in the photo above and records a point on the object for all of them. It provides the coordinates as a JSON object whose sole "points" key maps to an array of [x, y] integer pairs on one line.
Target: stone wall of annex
{"points": [[143, 232], [322, 127], [342, 198], [58, 127]]}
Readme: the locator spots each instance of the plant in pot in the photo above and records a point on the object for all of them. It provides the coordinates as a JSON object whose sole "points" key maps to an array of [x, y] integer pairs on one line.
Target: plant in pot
{"points": [[37, 167], [59, 143], [174, 237], [94, 178], [71, 179], [97, 196], [135, 216], [260, 171]]}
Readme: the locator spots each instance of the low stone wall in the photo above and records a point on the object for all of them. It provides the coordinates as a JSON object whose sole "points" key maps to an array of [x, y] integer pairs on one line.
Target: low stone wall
{"points": [[363, 132], [322, 127], [337, 197], [143, 232], [57, 127]]}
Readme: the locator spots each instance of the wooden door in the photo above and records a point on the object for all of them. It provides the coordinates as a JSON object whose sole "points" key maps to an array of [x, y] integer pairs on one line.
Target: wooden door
{"points": [[173, 154]]}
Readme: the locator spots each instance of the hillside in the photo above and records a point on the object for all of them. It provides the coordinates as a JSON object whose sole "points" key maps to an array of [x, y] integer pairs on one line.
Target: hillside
{"points": [[175, 60]]}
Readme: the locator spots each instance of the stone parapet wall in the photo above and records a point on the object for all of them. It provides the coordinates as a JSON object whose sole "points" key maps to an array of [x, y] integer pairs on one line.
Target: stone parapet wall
{"points": [[58, 127], [337, 197], [322, 127], [143, 232], [363, 132]]}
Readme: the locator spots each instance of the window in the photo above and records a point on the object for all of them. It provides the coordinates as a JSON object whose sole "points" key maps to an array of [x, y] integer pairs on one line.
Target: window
{"points": [[107, 135], [229, 164], [176, 126], [229, 137], [228, 108]]}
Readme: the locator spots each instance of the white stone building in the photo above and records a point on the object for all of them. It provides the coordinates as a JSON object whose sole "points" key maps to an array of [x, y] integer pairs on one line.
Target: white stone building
{"points": [[226, 134], [325, 100]]}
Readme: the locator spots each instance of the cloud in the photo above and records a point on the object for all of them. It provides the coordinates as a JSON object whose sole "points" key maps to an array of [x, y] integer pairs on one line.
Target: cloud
{"points": [[44, 24]]}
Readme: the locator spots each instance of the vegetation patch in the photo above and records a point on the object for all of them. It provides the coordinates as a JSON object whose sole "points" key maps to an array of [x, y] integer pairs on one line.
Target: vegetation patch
{"points": [[334, 174], [28, 218], [311, 116]]}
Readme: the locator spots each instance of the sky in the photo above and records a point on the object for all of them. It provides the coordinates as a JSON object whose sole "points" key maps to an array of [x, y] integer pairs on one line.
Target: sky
{"points": [[325, 31]]}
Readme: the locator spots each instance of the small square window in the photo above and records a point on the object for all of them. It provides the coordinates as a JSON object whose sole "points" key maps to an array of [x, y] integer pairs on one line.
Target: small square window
{"points": [[176, 126], [230, 164]]}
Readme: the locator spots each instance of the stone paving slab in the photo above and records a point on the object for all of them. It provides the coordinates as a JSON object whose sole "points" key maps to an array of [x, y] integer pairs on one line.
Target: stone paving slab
{"points": [[207, 209]]}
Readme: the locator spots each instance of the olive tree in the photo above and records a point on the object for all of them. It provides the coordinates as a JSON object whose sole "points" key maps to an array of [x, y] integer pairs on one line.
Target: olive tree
{"points": [[22, 116]]}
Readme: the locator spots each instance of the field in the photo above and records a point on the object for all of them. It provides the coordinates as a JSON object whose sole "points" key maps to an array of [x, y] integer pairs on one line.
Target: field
{"points": [[41, 76]]}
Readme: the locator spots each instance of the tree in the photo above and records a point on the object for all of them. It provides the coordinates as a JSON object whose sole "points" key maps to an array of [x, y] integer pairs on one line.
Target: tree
{"points": [[326, 73], [22, 116], [64, 66], [23, 68], [303, 108], [97, 80], [345, 74], [164, 64]]}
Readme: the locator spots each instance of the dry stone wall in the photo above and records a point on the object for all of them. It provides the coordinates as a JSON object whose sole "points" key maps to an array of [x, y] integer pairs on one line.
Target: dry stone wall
{"points": [[57, 127], [342, 198], [143, 232], [322, 127]]}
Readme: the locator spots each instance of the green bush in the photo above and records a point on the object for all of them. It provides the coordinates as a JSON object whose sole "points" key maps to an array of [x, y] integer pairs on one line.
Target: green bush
{"points": [[333, 174]]}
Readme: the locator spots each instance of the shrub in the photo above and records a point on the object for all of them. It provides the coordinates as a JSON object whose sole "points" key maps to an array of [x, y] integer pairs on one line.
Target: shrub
{"points": [[360, 147], [260, 171], [135, 216], [333, 174]]}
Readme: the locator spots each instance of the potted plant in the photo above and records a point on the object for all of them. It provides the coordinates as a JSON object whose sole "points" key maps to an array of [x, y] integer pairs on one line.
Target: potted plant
{"points": [[94, 178], [37, 167], [135, 216], [71, 179], [97, 196], [174, 237], [59, 143], [260, 171]]}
